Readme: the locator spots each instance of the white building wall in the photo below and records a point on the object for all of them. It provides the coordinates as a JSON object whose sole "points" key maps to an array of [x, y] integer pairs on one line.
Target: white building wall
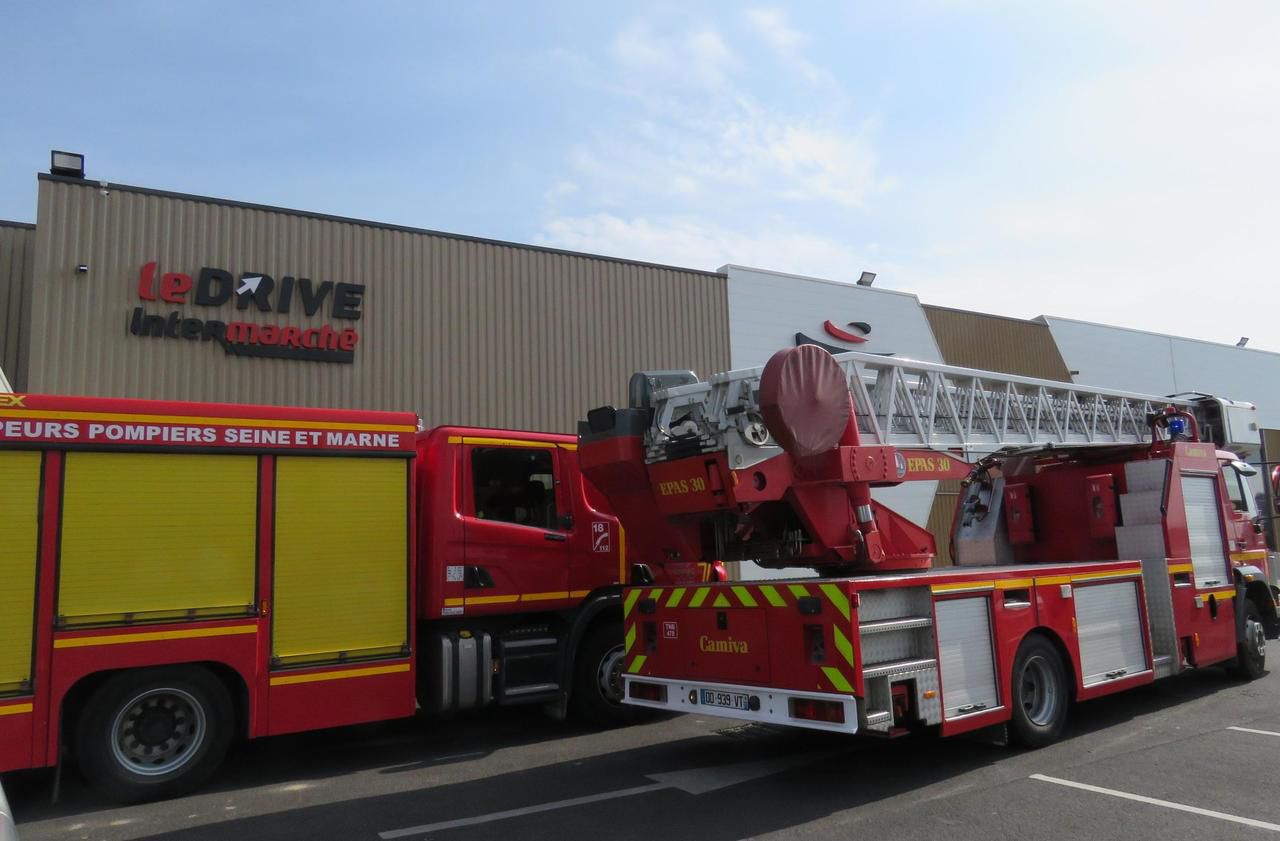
{"points": [[766, 311]]}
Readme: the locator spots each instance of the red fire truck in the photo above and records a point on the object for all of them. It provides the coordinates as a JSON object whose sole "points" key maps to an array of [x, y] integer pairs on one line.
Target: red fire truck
{"points": [[177, 575], [1102, 540]]}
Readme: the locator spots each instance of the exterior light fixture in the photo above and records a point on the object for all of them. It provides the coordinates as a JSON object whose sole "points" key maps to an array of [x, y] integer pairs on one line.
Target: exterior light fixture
{"points": [[867, 279], [66, 163], [1244, 340]]}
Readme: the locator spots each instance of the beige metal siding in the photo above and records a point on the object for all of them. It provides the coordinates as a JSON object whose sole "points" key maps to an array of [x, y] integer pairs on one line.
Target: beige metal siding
{"points": [[458, 330], [996, 343], [17, 261]]}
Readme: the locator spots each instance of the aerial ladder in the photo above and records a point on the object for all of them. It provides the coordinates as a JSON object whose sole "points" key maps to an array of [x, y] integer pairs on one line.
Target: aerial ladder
{"points": [[809, 427]]}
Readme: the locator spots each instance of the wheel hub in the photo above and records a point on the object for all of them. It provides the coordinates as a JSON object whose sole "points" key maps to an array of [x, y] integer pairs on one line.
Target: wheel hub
{"points": [[158, 732], [609, 676], [1255, 638], [1039, 692]]}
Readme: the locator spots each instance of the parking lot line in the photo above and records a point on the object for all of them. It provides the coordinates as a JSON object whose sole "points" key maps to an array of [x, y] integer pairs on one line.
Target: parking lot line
{"points": [[1181, 807], [1251, 730]]}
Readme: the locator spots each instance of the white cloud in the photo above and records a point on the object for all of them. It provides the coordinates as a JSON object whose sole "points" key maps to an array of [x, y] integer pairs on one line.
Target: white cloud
{"points": [[695, 140], [698, 243], [787, 42]]}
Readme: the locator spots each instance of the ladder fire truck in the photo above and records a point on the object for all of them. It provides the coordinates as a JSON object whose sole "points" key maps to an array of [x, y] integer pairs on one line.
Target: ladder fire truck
{"points": [[1102, 540], [177, 575]]}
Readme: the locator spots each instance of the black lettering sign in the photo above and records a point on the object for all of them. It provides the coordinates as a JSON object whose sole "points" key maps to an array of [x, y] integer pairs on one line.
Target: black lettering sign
{"points": [[214, 287], [313, 299], [346, 300]]}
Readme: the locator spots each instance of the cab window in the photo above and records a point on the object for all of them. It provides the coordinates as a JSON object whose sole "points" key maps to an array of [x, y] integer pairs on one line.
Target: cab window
{"points": [[1237, 488], [514, 485]]}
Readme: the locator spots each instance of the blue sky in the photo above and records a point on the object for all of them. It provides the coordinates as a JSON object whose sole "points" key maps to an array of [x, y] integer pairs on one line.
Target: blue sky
{"points": [[1111, 162]]}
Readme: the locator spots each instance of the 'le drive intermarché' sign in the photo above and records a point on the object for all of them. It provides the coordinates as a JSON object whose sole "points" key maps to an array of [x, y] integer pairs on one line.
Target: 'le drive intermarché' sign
{"points": [[252, 293]]}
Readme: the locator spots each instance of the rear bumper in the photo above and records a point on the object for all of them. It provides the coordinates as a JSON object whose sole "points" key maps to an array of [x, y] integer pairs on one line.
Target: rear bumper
{"points": [[774, 704]]}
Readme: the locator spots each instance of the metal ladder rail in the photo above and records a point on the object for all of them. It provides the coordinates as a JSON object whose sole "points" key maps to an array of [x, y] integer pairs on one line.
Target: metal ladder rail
{"points": [[909, 403]]}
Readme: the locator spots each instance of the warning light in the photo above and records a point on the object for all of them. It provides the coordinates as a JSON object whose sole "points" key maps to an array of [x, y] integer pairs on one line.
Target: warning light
{"points": [[654, 692], [1177, 425]]}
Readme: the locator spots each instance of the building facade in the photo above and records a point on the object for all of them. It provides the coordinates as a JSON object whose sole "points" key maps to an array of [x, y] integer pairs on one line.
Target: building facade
{"points": [[134, 292]]}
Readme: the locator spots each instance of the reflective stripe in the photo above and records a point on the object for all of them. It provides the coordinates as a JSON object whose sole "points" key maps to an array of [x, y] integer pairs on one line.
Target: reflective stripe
{"points": [[771, 594], [837, 678], [676, 595], [492, 599], [1014, 583], [843, 645], [1179, 568], [316, 677], [266, 423], [744, 596], [153, 636], [16, 709], [798, 590], [629, 602], [721, 601], [838, 598], [637, 664], [631, 637], [699, 596]]}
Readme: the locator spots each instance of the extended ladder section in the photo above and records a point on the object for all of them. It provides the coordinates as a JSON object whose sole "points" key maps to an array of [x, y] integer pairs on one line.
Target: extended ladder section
{"points": [[910, 404]]}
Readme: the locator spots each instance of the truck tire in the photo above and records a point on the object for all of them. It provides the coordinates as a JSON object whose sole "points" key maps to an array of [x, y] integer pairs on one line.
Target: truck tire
{"points": [[151, 734], [596, 695], [1251, 652], [1040, 693]]}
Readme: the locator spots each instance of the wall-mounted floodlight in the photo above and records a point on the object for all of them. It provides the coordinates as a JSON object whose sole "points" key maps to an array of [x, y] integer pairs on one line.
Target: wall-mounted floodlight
{"points": [[867, 279], [1244, 340], [66, 163]]}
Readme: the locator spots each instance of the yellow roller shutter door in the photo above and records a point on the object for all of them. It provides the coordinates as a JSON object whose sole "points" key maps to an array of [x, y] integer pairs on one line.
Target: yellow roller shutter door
{"points": [[341, 559], [19, 513], [157, 536]]}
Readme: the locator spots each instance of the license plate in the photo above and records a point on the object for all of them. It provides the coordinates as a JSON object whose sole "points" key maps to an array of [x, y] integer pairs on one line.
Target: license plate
{"points": [[731, 700]]}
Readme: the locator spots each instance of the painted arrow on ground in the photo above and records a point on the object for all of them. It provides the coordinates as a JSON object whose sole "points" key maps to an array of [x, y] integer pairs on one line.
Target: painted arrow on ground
{"points": [[694, 781]]}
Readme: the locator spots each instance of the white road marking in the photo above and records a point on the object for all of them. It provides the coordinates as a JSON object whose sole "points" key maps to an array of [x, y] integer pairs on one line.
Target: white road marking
{"points": [[1181, 807], [471, 755], [515, 813], [1251, 730], [694, 781]]}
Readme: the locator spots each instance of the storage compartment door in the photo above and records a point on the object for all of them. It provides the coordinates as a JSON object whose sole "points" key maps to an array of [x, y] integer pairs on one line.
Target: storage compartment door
{"points": [[1204, 530], [966, 657], [153, 536], [341, 559], [19, 512], [1109, 628]]}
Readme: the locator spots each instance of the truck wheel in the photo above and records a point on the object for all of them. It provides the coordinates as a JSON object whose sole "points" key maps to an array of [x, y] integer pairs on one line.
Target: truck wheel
{"points": [[154, 733], [596, 695], [1251, 652], [1040, 693]]}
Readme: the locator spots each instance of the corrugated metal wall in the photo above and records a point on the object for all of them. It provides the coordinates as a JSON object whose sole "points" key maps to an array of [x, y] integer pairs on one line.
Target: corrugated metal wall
{"points": [[996, 343], [458, 330], [991, 343], [17, 261]]}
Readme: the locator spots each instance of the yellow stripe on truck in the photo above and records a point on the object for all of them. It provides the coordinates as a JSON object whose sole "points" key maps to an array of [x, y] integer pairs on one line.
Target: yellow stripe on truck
{"points": [[16, 709], [344, 674], [153, 636], [264, 423]]}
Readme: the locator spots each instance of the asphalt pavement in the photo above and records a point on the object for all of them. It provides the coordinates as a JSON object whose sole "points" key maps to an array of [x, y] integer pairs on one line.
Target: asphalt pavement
{"points": [[1183, 759]]}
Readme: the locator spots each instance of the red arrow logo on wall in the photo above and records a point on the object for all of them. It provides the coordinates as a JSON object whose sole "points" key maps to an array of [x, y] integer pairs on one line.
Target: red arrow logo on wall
{"points": [[844, 335]]}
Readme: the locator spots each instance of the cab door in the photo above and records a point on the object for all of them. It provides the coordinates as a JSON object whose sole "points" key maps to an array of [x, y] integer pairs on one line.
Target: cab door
{"points": [[516, 531]]}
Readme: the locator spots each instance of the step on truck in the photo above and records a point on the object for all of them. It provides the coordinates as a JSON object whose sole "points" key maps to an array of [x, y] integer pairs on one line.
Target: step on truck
{"points": [[175, 576], [1102, 540]]}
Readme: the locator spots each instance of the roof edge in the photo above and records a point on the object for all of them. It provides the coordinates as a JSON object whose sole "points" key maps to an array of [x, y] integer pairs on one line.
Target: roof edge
{"points": [[351, 220], [9, 223]]}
